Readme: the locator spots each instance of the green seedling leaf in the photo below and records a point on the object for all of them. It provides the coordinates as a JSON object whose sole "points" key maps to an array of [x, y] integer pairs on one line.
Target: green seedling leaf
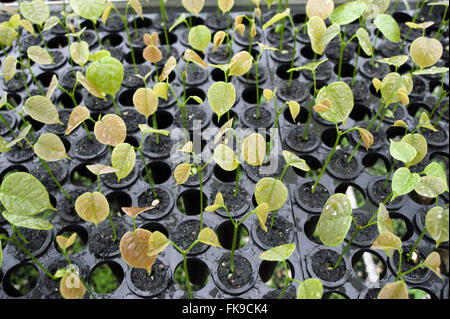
{"points": [[430, 71], [436, 222], [388, 242], [209, 237], [225, 5], [100, 54], [279, 253], [25, 221], [403, 182], [182, 173], [295, 161], [433, 262], [435, 169], [294, 109], [225, 157], [90, 10], [161, 89], [134, 247], [277, 17], [396, 61], [240, 63], [262, 211], [23, 194], [145, 101], [36, 11], [64, 242], [3, 145], [348, 12], [50, 148], [425, 122], [430, 186], [341, 97], [178, 21], [320, 8], [335, 220], [311, 288], [123, 158], [403, 152], [384, 222], [106, 75], [50, 23], [419, 143], [92, 207], [78, 115], [100, 169], [218, 203], [221, 97], [394, 290], [319, 34], [110, 130], [7, 34], [364, 41], [156, 243], [170, 64], [19, 137], [425, 51], [271, 191], [388, 27], [79, 52], [193, 6], [254, 149], [42, 110], [106, 12], [71, 287], [199, 37], [148, 129], [89, 86], [391, 84], [9, 67]]}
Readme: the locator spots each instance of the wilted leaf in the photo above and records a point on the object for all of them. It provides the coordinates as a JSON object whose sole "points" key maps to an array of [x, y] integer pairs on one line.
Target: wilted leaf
{"points": [[262, 211], [136, 5], [335, 220], [388, 242], [182, 173], [92, 207], [20, 136], [192, 56], [134, 211], [384, 222], [78, 115], [50, 147], [179, 20], [218, 203], [64, 242], [100, 169], [209, 237], [271, 191], [367, 137], [152, 54], [187, 148], [422, 25], [218, 38], [433, 262], [161, 89], [90, 87], [71, 287], [170, 64], [425, 122], [228, 124], [157, 243], [279, 253], [110, 130], [134, 247], [52, 86]]}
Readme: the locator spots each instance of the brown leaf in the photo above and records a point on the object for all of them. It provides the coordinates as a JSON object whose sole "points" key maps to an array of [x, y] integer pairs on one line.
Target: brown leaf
{"points": [[134, 211], [134, 247], [152, 54], [78, 115]]}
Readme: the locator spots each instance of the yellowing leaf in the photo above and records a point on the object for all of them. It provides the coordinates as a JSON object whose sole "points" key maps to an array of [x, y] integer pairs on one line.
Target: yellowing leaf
{"points": [[136, 5], [218, 38], [78, 115], [271, 191], [152, 54], [39, 55], [218, 203], [123, 158], [171, 63], [376, 84], [225, 5], [50, 147], [187, 148], [9, 67], [100, 169], [193, 6], [241, 63], [425, 51], [425, 122], [294, 109], [27, 26], [225, 157], [367, 137], [161, 90], [41, 109], [89, 86], [134, 211], [64, 242], [320, 8], [106, 12], [52, 87], [110, 130], [192, 56], [422, 25], [254, 149], [240, 28], [209, 237], [156, 243], [277, 17], [134, 247], [182, 173], [92, 207], [262, 211], [295, 161], [145, 101], [388, 242], [394, 290], [71, 287], [268, 94], [433, 262]]}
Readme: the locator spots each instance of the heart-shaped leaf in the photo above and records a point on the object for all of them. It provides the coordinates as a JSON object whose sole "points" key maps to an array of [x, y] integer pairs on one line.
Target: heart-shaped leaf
{"points": [[225, 157], [209, 237], [271, 191], [50, 147], [7, 35], [384, 222], [145, 101], [39, 55], [41, 109], [403, 152], [71, 286], [341, 97], [425, 51], [199, 37], [403, 182], [152, 54], [430, 186], [391, 84], [348, 12], [193, 6], [433, 262], [394, 290], [134, 247], [319, 8], [311, 288], [221, 97], [64, 242], [225, 5], [319, 34], [254, 149], [182, 173], [79, 52], [106, 75], [110, 130], [92, 207], [419, 142], [240, 63], [36, 11], [123, 158], [388, 27], [388, 242], [218, 203], [295, 161], [435, 169], [335, 220], [78, 115], [436, 222], [23, 194], [279, 253], [90, 10]]}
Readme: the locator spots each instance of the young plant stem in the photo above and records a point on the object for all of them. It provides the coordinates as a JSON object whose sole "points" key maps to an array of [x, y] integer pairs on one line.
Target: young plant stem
{"points": [[163, 18], [409, 255], [113, 99], [284, 171], [275, 126], [413, 20], [237, 181], [147, 172], [113, 228], [441, 113], [22, 67], [389, 175], [34, 78], [94, 23], [44, 163], [308, 119], [43, 40]]}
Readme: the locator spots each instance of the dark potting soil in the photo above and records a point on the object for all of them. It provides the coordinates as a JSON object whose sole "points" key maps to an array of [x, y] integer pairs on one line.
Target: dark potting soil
{"points": [[314, 200], [290, 293], [66, 207], [266, 169], [322, 264], [101, 237], [407, 265], [28, 41], [234, 204], [15, 84], [87, 148], [218, 22], [194, 113], [280, 233], [9, 119], [388, 48], [58, 128], [130, 79], [196, 75], [372, 293], [147, 198], [20, 153], [220, 56], [161, 149], [250, 76], [399, 113], [367, 235], [112, 181], [339, 165], [377, 70], [359, 89], [186, 233], [274, 37], [95, 104], [323, 72], [58, 169], [166, 54], [136, 40], [132, 119], [435, 137], [242, 274], [419, 87], [153, 283], [283, 56], [263, 120], [294, 139], [245, 39], [36, 240], [297, 91], [333, 51], [381, 194]]}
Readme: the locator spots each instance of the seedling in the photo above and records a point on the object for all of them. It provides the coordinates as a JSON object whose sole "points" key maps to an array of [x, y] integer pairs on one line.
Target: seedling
{"points": [[311, 288], [443, 22], [414, 19], [261, 211]]}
